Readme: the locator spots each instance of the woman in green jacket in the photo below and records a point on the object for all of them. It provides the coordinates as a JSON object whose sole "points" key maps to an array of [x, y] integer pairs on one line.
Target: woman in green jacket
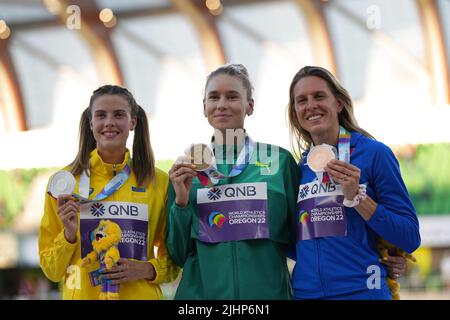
{"points": [[229, 225]]}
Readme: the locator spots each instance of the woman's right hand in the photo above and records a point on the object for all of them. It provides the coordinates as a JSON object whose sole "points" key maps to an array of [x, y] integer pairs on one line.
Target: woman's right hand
{"points": [[68, 213], [181, 174]]}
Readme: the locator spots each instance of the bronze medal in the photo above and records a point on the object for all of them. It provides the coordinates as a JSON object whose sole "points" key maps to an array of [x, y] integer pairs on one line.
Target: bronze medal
{"points": [[319, 156], [201, 156]]}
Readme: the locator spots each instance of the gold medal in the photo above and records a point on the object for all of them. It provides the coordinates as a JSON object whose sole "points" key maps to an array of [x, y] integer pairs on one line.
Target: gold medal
{"points": [[319, 156]]}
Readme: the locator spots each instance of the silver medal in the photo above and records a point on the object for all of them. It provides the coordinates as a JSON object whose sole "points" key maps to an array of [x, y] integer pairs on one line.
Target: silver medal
{"points": [[62, 182]]}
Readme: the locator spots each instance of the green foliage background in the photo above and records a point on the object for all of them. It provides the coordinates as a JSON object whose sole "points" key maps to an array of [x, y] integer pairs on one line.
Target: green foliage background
{"points": [[427, 177]]}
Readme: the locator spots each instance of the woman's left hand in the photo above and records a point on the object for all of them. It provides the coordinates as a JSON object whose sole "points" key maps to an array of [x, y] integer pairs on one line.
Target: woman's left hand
{"points": [[129, 270], [347, 175], [396, 265]]}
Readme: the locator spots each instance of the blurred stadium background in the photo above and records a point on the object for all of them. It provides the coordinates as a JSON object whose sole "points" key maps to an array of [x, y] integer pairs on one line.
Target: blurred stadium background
{"points": [[393, 56]]}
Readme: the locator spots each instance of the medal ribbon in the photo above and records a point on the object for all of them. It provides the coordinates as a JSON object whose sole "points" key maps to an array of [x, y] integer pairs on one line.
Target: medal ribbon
{"points": [[112, 186], [344, 144], [213, 175]]}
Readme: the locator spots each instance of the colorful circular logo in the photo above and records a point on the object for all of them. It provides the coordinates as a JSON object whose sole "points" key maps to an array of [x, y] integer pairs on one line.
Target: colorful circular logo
{"points": [[216, 218], [303, 217]]}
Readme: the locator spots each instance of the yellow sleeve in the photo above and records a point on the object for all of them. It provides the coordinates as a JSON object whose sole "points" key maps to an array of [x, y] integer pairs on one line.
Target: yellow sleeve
{"points": [[166, 270], [55, 252]]}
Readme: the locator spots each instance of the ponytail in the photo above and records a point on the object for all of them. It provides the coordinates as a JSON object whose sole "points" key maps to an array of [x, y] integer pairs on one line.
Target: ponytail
{"points": [[86, 143], [143, 158]]}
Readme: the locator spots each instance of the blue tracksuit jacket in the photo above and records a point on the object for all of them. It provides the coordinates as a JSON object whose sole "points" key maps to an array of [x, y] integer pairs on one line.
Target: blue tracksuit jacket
{"points": [[334, 267]]}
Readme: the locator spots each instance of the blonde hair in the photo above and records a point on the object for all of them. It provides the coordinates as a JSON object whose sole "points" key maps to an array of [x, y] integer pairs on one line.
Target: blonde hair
{"points": [[234, 70]]}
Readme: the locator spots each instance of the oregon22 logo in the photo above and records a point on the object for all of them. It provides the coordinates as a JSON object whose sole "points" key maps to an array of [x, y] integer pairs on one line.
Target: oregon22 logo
{"points": [[216, 219]]}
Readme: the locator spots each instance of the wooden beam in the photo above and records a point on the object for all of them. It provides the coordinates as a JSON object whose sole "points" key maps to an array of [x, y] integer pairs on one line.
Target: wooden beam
{"points": [[12, 106], [206, 26], [436, 51], [98, 37], [404, 57], [319, 34]]}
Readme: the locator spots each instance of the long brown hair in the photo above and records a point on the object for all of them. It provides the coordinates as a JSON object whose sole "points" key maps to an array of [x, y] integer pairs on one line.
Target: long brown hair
{"points": [[143, 161], [301, 139]]}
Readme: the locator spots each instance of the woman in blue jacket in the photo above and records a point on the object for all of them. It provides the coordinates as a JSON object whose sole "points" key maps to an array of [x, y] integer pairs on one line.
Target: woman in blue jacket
{"points": [[345, 205]]}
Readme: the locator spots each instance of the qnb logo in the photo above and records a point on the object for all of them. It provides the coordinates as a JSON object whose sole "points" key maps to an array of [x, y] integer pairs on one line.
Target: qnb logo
{"points": [[214, 194], [374, 279], [304, 192], [97, 209], [216, 219], [303, 217]]}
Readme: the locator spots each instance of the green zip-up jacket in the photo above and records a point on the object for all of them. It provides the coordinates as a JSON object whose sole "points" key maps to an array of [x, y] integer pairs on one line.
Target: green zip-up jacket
{"points": [[243, 269]]}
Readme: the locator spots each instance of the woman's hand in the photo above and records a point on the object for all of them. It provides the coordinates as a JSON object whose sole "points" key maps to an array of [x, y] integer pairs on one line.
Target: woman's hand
{"points": [[68, 210], [347, 175], [396, 265], [181, 174], [130, 270]]}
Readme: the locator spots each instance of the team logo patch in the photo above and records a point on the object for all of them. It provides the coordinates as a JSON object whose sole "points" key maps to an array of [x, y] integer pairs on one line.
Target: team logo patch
{"points": [[136, 189]]}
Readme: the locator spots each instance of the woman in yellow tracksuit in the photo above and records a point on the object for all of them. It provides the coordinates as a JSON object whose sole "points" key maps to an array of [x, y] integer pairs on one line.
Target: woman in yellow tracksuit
{"points": [[137, 204]]}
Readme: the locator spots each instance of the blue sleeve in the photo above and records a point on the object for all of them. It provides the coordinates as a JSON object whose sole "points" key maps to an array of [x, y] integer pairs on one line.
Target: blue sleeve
{"points": [[395, 218]]}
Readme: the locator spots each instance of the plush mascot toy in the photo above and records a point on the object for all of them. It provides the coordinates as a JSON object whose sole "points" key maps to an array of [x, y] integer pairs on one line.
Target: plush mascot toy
{"points": [[385, 248], [105, 239]]}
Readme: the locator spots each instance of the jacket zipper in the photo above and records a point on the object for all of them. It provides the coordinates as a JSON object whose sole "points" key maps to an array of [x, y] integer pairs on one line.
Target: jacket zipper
{"points": [[318, 266], [235, 264], [114, 169], [235, 271]]}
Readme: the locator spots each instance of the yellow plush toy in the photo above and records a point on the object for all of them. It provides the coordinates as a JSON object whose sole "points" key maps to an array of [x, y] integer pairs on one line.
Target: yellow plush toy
{"points": [[385, 248], [105, 239]]}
